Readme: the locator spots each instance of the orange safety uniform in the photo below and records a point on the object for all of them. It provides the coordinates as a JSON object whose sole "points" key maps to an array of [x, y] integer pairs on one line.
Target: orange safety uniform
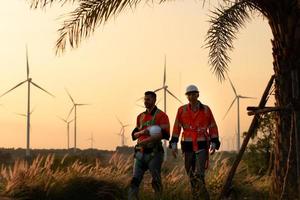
{"points": [[199, 128], [156, 117]]}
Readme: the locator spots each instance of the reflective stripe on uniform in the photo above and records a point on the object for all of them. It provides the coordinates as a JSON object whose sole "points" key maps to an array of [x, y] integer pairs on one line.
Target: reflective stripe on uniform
{"points": [[190, 139]]}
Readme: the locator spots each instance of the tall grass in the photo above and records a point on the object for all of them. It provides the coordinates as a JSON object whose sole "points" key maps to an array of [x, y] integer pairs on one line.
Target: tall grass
{"points": [[41, 180], [49, 178]]}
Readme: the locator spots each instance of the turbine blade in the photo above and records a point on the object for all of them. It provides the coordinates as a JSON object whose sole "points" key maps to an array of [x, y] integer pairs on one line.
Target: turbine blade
{"points": [[157, 102], [70, 96], [165, 75], [158, 89], [70, 121], [244, 97], [141, 98], [33, 109], [83, 104], [119, 120], [234, 90], [27, 62], [230, 107], [36, 85], [71, 111], [13, 88], [173, 95], [20, 114], [140, 106], [62, 119]]}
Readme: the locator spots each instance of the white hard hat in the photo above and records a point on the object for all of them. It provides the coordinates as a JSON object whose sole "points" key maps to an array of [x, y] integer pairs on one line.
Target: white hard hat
{"points": [[191, 88], [154, 130]]}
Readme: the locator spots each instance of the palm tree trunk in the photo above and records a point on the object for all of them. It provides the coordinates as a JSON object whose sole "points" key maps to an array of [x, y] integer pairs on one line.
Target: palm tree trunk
{"points": [[285, 26]]}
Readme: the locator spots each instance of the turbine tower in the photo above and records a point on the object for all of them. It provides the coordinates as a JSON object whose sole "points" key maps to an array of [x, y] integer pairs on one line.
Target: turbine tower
{"points": [[92, 140], [237, 99], [68, 122], [74, 107], [29, 83], [122, 132]]}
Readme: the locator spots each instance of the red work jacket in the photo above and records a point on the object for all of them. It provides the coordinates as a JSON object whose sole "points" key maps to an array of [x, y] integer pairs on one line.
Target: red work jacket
{"points": [[156, 117], [197, 126]]}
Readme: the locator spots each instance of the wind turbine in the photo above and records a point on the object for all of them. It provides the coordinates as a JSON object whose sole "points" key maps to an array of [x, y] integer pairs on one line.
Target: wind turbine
{"points": [[166, 90], [74, 107], [122, 132], [92, 140], [237, 98], [29, 83], [68, 122]]}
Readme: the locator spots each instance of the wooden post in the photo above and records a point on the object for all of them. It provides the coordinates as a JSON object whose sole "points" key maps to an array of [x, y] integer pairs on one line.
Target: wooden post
{"points": [[254, 124]]}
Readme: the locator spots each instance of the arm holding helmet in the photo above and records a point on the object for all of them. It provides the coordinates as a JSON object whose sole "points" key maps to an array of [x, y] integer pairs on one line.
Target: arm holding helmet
{"points": [[163, 123], [136, 133]]}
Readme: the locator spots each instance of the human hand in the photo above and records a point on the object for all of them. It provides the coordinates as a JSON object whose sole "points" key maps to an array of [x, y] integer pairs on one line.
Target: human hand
{"points": [[146, 132], [212, 149], [142, 132], [175, 153], [174, 150]]}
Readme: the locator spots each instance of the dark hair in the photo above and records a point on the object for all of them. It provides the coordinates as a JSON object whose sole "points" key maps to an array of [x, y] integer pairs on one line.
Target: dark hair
{"points": [[151, 93]]}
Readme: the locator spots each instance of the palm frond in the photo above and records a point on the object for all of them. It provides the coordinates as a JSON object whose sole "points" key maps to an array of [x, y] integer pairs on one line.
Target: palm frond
{"points": [[82, 22], [225, 24], [34, 4]]}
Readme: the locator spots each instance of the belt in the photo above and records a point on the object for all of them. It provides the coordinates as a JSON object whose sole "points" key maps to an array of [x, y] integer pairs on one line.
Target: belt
{"points": [[144, 150]]}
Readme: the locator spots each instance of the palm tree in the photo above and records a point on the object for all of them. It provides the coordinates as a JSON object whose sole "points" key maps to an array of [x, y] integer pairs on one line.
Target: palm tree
{"points": [[284, 20]]}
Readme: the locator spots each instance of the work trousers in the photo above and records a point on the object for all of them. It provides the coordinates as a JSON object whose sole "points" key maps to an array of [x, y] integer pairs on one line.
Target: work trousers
{"points": [[195, 167], [143, 162]]}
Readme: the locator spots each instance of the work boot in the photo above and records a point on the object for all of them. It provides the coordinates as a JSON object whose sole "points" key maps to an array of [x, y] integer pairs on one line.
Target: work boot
{"points": [[157, 187], [133, 193], [199, 191]]}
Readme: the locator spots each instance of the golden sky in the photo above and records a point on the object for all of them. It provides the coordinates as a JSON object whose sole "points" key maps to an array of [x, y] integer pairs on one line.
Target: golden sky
{"points": [[115, 66]]}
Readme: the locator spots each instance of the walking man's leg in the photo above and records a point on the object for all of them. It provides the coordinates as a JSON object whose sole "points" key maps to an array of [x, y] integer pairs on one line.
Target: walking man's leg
{"points": [[201, 158], [139, 169], [189, 163], [155, 170]]}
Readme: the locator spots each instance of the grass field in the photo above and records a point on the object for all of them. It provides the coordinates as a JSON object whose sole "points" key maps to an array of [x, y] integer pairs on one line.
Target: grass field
{"points": [[51, 178]]}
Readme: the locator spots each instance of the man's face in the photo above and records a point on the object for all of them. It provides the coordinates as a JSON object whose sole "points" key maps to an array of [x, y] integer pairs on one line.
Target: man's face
{"points": [[149, 101], [192, 96]]}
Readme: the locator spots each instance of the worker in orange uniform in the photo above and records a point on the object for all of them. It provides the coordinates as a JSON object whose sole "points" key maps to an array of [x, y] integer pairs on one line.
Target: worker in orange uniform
{"points": [[200, 135], [151, 127]]}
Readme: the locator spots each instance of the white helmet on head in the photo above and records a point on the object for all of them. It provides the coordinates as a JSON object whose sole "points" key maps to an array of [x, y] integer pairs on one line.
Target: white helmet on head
{"points": [[154, 130], [191, 88]]}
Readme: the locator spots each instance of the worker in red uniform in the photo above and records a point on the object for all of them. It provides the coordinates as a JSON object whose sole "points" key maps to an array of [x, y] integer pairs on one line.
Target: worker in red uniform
{"points": [[200, 135], [151, 127]]}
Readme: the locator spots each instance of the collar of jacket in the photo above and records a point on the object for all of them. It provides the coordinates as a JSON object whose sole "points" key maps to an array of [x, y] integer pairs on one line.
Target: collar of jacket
{"points": [[152, 112], [201, 106]]}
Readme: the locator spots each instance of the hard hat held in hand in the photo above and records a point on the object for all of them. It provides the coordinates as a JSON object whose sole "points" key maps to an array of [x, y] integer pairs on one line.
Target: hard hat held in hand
{"points": [[154, 130]]}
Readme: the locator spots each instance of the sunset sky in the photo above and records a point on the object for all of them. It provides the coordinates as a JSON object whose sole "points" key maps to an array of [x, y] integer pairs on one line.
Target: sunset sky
{"points": [[114, 67]]}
